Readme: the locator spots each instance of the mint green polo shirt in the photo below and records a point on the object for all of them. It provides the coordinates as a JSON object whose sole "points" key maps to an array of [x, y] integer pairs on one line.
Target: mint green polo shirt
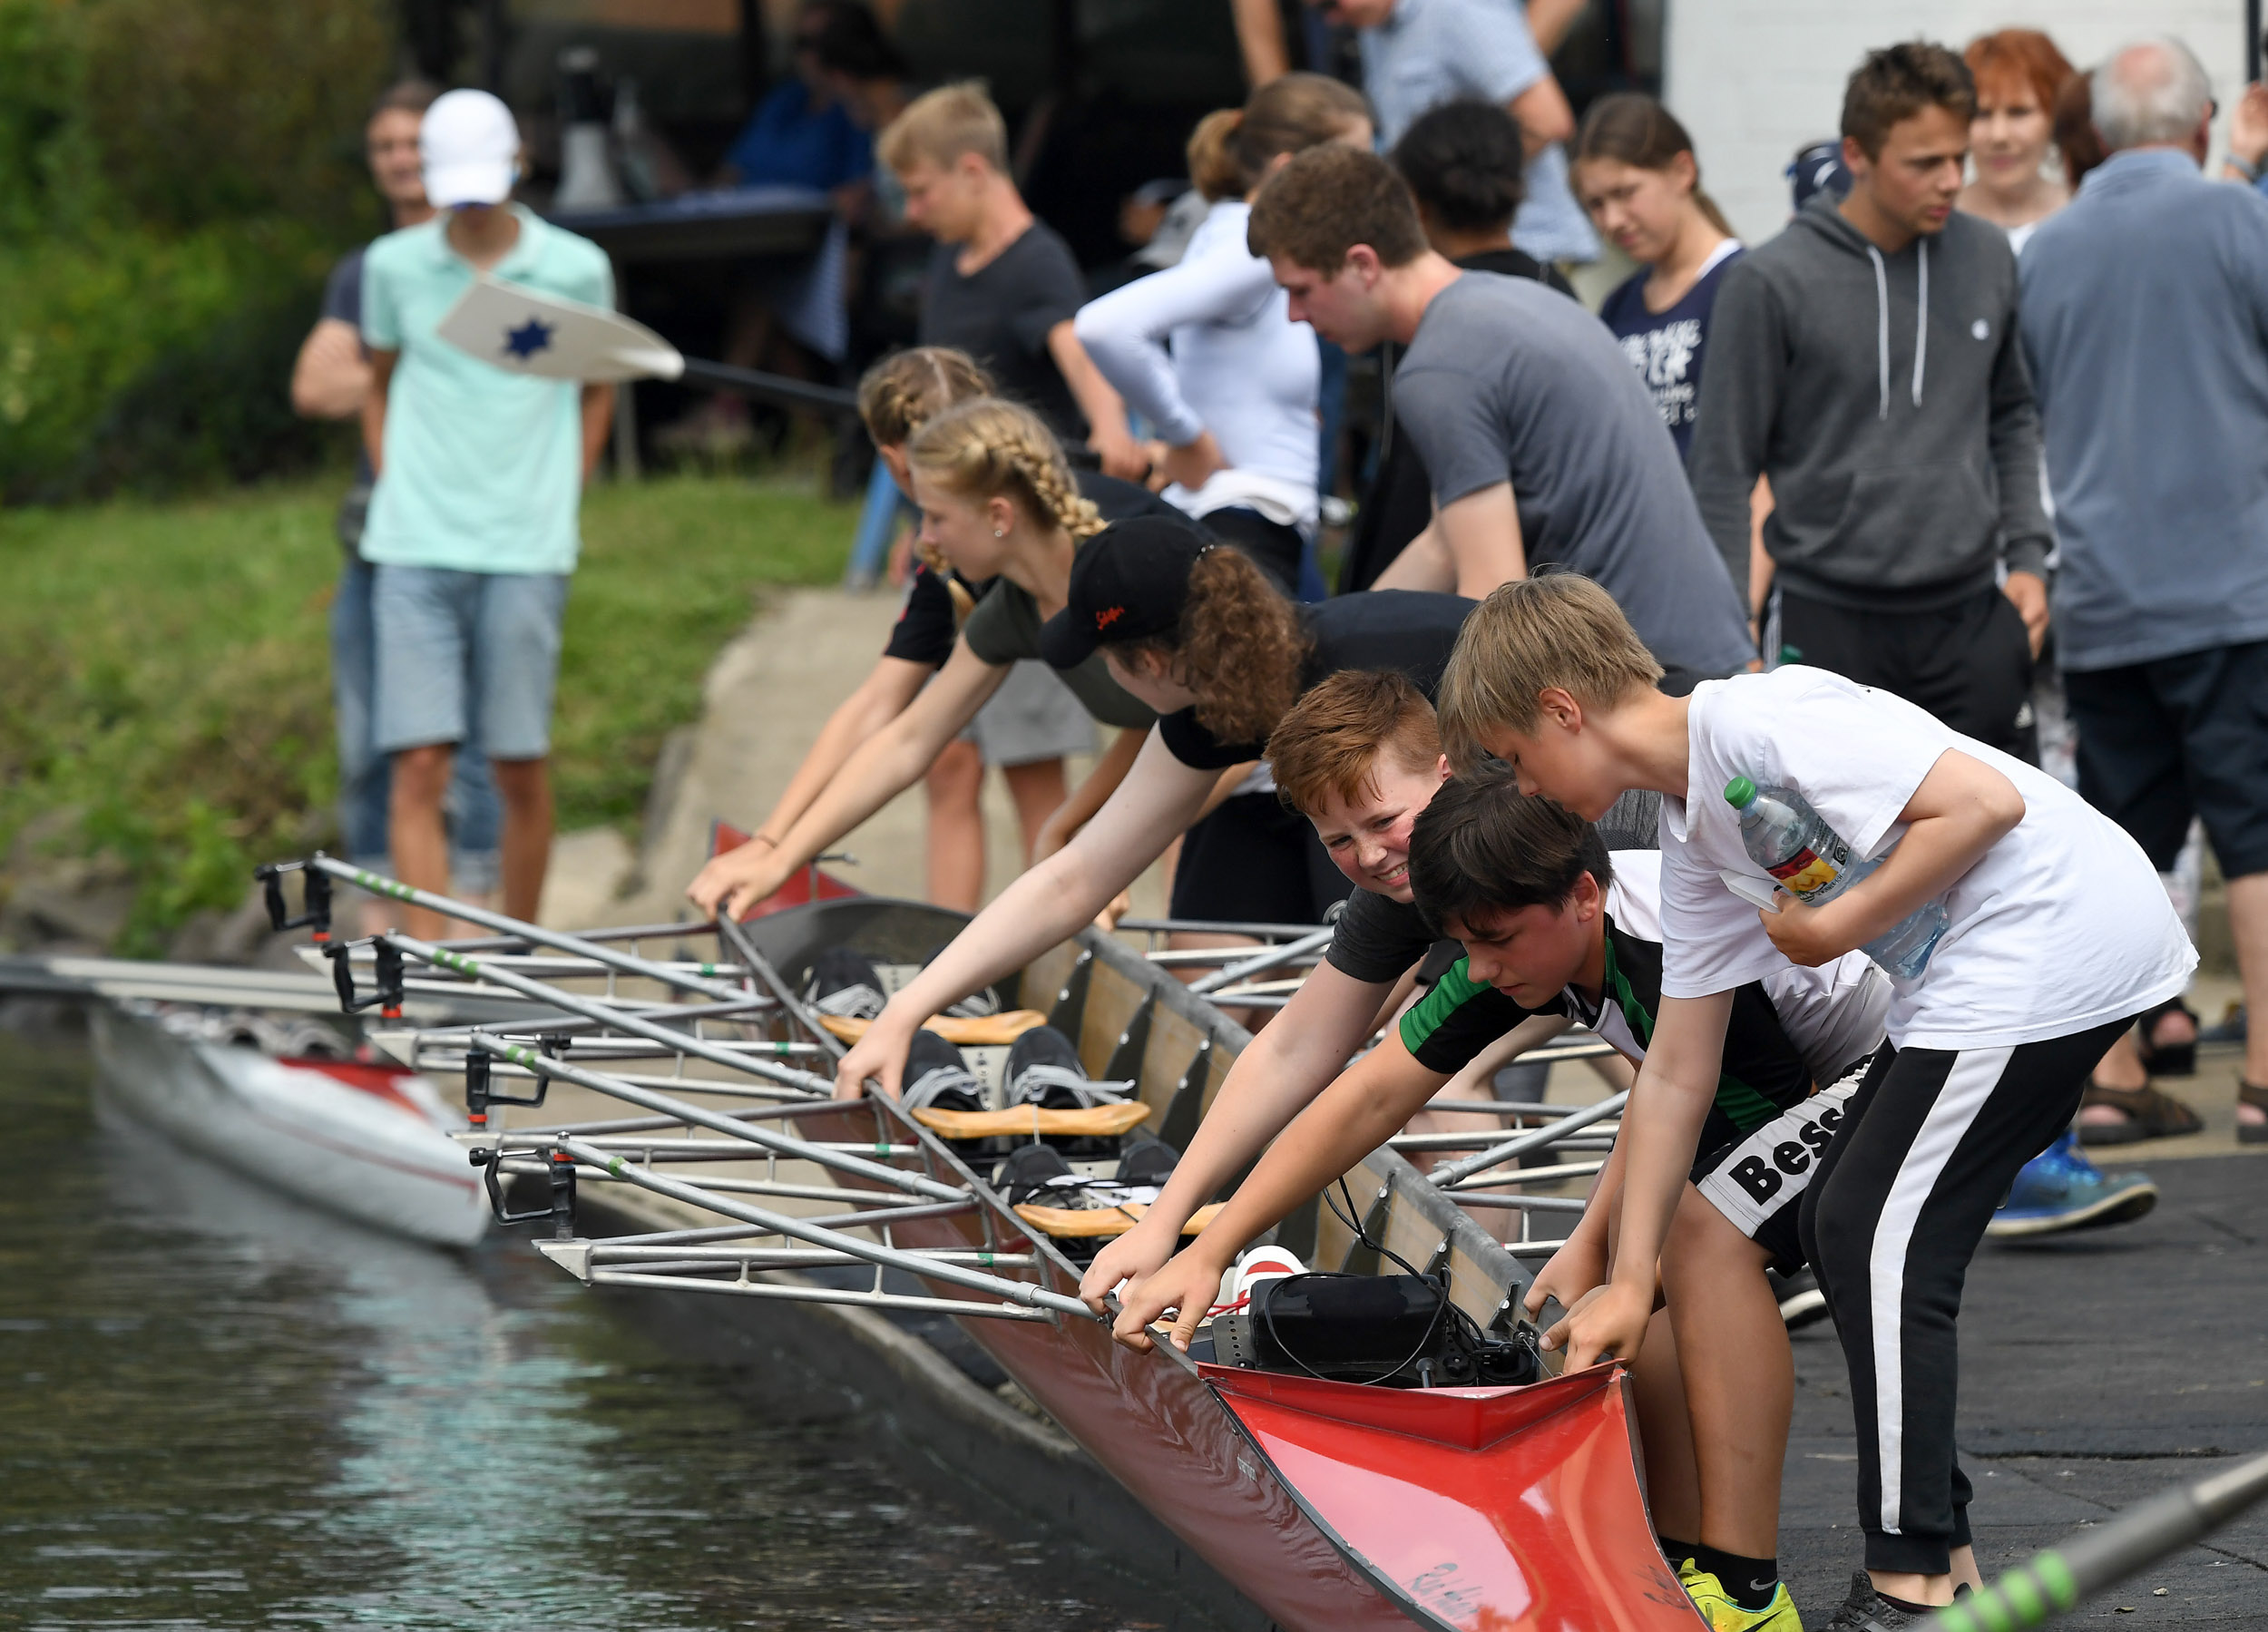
{"points": [[483, 469]]}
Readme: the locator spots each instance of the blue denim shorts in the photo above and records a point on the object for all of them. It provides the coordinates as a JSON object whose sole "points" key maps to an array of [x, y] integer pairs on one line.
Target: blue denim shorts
{"points": [[467, 651], [365, 779]]}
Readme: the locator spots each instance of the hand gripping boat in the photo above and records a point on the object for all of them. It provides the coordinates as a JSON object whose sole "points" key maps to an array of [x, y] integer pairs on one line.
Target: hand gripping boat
{"points": [[1328, 1504]]}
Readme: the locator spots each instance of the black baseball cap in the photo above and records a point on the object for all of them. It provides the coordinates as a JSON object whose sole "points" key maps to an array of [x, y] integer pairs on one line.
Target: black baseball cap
{"points": [[1129, 583]]}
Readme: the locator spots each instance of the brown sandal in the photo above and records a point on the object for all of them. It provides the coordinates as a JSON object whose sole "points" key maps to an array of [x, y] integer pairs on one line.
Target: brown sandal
{"points": [[2169, 1059], [2150, 1111], [2256, 1096]]}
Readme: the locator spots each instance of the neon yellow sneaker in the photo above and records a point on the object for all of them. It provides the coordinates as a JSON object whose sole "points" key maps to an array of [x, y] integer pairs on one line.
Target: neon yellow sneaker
{"points": [[1718, 1607]]}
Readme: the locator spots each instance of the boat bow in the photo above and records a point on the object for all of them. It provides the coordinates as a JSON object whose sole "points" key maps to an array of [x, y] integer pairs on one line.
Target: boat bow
{"points": [[1480, 1509]]}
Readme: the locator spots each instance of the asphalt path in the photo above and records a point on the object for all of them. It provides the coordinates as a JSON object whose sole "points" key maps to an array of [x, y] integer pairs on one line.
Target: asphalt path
{"points": [[2096, 1369]]}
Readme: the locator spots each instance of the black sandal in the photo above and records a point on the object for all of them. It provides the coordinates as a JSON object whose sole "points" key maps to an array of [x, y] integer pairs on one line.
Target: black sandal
{"points": [[2256, 1096], [2169, 1059], [2150, 1111]]}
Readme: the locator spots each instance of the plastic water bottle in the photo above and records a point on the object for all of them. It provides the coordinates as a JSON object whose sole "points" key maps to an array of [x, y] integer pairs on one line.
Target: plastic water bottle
{"points": [[1790, 840]]}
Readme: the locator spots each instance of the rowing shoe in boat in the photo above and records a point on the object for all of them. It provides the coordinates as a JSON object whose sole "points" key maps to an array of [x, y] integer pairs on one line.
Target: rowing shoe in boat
{"points": [[1481, 1505]]}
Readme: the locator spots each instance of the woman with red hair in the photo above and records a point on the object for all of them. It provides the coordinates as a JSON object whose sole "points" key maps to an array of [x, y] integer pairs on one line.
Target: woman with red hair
{"points": [[2018, 73]]}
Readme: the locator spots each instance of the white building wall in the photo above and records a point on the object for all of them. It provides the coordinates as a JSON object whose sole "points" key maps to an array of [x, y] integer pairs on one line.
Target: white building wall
{"points": [[1755, 80]]}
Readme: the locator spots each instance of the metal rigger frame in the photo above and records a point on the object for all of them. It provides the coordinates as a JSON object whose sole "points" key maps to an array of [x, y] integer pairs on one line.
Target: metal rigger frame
{"points": [[567, 1032], [734, 1258]]}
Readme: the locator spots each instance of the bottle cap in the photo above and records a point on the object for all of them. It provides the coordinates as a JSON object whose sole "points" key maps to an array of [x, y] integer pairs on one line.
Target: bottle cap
{"points": [[1740, 793]]}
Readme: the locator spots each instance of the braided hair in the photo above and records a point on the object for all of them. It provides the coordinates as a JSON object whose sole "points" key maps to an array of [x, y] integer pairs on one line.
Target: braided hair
{"points": [[903, 392], [900, 393], [991, 449]]}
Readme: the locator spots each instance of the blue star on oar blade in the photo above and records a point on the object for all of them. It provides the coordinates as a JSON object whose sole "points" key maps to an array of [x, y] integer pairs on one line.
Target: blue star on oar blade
{"points": [[529, 338]]}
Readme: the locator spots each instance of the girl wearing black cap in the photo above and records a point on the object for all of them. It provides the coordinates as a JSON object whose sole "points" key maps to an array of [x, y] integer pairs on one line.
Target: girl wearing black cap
{"points": [[998, 501], [1198, 632]]}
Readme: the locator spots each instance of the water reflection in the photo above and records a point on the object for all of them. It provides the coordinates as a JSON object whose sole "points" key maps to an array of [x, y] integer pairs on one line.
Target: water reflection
{"points": [[220, 1409]]}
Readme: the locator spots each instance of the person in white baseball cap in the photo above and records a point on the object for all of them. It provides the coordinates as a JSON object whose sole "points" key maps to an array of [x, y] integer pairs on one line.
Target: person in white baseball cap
{"points": [[470, 147], [473, 526]]}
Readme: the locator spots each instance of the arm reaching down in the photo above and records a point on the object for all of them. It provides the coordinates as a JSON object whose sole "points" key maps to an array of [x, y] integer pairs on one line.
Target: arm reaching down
{"points": [[1092, 793], [1739, 409], [886, 692], [1543, 115], [597, 407], [1482, 531], [877, 773], [374, 408], [1260, 40], [1280, 1072], [1354, 1117], [1108, 433], [1052, 901], [1548, 21], [1661, 1125], [1472, 545]]}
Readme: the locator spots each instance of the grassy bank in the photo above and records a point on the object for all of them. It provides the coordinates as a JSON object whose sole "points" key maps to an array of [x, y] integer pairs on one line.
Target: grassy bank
{"points": [[164, 695]]}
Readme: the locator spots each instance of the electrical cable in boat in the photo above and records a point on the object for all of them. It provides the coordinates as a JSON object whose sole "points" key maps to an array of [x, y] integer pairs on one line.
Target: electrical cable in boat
{"points": [[1354, 1223]]}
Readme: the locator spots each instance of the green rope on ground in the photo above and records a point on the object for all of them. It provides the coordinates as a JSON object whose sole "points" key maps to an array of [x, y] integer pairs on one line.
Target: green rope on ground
{"points": [[2021, 1600]]}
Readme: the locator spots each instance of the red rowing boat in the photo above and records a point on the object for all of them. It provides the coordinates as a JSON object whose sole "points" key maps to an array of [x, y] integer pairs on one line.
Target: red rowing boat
{"points": [[1330, 1505]]}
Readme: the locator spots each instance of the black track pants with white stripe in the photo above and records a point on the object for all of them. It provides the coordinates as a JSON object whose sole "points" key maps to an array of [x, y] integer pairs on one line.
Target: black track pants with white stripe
{"points": [[1928, 1149]]}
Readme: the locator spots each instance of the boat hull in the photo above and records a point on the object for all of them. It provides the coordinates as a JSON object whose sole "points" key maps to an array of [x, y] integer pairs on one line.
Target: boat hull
{"points": [[369, 1142]]}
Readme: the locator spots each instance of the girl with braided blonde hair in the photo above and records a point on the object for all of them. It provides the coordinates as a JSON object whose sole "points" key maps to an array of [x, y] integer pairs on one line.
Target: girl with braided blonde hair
{"points": [[999, 504]]}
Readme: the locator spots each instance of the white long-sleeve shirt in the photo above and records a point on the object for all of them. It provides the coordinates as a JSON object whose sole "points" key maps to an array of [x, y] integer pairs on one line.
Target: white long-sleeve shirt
{"points": [[1238, 365]]}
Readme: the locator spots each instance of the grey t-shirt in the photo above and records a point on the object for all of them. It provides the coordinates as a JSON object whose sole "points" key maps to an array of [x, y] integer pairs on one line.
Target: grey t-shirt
{"points": [[1507, 380], [1005, 628]]}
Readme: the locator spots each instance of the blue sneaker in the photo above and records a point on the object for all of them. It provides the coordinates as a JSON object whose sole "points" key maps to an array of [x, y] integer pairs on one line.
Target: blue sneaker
{"points": [[2060, 1189]]}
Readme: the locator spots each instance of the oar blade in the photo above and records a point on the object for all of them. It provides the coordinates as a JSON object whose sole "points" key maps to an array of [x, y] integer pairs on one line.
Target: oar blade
{"points": [[542, 336]]}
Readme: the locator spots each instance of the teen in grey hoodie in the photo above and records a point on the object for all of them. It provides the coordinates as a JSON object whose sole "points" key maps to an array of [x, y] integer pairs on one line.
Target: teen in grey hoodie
{"points": [[1882, 390]]}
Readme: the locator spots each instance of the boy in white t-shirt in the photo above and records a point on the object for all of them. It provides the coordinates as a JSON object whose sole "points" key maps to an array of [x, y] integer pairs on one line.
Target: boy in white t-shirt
{"points": [[2058, 935]]}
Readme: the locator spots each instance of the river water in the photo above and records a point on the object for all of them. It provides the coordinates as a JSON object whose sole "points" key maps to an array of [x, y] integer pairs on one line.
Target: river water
{"points": [[218, 1409]]}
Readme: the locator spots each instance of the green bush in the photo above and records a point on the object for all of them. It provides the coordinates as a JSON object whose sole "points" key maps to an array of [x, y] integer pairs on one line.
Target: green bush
{"points": [[128, 359], [175, 177]]}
